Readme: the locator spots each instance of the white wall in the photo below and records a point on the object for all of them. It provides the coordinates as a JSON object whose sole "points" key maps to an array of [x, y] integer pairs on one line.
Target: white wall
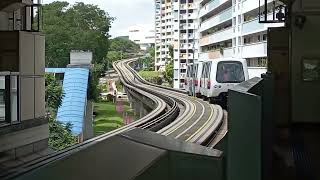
{"points": [[256, 71], [142, 34], [80, 57]]}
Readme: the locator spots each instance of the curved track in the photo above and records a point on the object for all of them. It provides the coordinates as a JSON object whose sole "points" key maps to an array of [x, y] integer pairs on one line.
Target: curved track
{"points": [[197, 121]]}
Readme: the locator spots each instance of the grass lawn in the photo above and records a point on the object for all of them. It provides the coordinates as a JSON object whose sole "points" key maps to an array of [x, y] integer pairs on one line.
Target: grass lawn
{"points": [[107, 118], [150, 74]]}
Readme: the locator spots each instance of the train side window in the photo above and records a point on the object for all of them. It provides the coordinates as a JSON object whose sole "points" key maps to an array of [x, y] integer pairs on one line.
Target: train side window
{"points": [[203, 70], [208, 70]]}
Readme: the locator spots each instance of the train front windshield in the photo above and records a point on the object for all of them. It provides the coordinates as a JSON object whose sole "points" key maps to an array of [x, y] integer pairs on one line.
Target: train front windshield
{"points": [[230, 72]]}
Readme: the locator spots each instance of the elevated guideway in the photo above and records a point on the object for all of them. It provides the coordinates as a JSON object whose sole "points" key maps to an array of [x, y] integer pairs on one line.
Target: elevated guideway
{"points": [[182, 126]]}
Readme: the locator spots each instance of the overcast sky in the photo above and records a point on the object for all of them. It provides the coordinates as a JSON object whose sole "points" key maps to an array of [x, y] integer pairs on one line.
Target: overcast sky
{"points": [[126, 12]]}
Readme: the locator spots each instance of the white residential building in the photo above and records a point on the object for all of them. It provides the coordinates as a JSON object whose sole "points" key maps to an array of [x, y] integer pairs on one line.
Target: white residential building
{"points": [[176, 25], [164, 32], [144, 35], [231, 28]]}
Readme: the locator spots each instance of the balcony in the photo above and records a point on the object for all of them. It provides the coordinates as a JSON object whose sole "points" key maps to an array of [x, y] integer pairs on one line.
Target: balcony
{"points": [[228, 52], [183, 56], [183, 16], [215, 54], [183, 75], [183, 26], [183, 6], [219, 36], [193, 15], [183, 36], [183, 66], [175, 6], [192, 6], [254, 26], [254, 50], [192, 26], [183, 45], [248, 5], [215, 20], [211, 6]]}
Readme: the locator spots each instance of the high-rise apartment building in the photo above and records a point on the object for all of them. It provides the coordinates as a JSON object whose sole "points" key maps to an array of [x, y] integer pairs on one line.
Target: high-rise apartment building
{"points": [[176, 27], [231, 28], [164, 28], [209, 29]]}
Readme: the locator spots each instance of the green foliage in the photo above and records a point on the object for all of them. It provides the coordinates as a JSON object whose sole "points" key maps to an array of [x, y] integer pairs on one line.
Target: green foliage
{"points": [[60, 136], [124, 45], [152, 76], [78, 27], [119, 85], [107, 118], [148, 59], [168, 73], [121, 49], [94, 87], [54, 92]]}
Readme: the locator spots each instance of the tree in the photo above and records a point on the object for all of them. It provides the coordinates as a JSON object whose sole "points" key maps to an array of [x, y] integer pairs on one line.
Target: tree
{"points": [[121, 49], [60, 135], [150, 58], [78, 27], [124, 45], [54, 93], [168, 73]]}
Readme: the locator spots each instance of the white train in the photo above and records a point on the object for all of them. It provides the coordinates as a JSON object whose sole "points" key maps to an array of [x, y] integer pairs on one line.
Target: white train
{"points": [[212, 79]]}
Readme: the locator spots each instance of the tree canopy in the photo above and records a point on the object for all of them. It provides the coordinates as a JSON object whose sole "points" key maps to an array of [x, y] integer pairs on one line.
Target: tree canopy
{"points": [[121, 49], [78, 27]]}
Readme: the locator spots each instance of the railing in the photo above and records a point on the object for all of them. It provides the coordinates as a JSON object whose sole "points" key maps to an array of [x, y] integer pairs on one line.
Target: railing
{"points": [[211, 6], [9, 98], [217, 19], [254, 50], [218, 36], [253, 25], [214, 54], [228, 52]]}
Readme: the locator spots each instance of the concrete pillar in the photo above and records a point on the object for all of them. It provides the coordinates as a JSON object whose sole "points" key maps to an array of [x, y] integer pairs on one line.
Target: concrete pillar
{"points": [[88, 122]]}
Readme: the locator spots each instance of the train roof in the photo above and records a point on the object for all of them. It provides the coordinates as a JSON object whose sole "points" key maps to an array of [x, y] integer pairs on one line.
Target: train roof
{"points": [[224, 59]]}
